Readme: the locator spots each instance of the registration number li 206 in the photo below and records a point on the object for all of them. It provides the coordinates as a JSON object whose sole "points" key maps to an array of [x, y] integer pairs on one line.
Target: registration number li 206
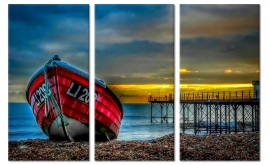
{"points": [[79, 92]]}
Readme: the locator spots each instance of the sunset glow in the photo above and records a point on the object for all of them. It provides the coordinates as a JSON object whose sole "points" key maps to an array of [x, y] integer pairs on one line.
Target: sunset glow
{"points": [[194, 88], [219, 47], [134, 61], [136, 93]]}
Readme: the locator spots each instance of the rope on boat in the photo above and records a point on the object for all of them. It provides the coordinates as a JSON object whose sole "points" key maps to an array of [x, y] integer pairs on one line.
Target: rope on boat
{"points": [[49, 96]]}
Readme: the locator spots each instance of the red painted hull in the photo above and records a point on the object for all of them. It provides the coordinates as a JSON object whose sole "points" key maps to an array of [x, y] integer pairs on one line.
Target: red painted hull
{"points": [[70, 88], [108, 112]]}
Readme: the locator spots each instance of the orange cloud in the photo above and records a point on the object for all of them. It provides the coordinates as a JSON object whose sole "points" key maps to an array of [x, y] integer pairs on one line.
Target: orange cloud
{"points": [[187, 71], [219, 27], [228, 71], [184, 71]]}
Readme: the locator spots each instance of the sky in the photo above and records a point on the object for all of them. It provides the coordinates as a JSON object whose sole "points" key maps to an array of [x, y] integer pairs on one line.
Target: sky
{"points": [[134, 50], [36, 33], [219, 47]]}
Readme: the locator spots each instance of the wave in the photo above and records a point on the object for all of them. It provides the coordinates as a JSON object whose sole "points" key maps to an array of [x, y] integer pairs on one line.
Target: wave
{"points": [[24, 126], [136, 116], [21, 118], [146, 125], [26, 133]]}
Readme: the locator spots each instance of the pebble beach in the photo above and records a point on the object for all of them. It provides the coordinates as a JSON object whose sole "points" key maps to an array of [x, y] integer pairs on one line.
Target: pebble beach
{"points": [[237, 147], [160, 149], [42, 149]]}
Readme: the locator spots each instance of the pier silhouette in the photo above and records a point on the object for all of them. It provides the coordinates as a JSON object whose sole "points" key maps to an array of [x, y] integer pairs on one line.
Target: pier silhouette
{"points": [[220, 112]]}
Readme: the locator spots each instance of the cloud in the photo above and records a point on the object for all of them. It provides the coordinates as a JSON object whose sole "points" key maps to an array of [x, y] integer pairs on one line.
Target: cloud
{"points": [[134, 44], [218, 20], [220, 42], [125, 23], [38, 32], [228, 71], [214, 55], [228, 77], [141, 60]]}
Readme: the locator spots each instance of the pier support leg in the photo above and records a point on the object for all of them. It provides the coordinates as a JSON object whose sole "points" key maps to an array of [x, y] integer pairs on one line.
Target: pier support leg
{"points": [[151, 112]]}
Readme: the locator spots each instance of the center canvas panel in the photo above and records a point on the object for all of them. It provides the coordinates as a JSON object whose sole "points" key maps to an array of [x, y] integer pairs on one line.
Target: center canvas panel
{"points": [[134, 82]]}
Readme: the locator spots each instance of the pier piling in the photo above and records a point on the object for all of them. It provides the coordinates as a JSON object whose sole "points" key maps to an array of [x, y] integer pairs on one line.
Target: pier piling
{"points": [[220, 112], [162, 109]]}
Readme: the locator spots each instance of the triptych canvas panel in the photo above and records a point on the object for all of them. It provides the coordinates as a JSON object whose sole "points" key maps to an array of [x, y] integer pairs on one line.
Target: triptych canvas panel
{"points": [[134, 75]]}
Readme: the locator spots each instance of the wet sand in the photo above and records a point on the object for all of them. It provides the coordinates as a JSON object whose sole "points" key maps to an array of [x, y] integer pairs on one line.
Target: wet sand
{"points": [[240, 146], [37, 149], [160, 149]]}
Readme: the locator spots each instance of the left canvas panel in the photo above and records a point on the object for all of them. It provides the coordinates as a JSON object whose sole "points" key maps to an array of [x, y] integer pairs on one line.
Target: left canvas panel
{"points": [[48, 74]]}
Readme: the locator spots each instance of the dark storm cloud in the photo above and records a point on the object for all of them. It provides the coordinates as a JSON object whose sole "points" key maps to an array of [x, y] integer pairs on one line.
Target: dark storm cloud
{"points": [[134, 43], [153, 79], [220, 10], [37, 32], [124, 23], [215, 78], [141, 13], [29, 24], [205, 53], [218, 20], [223, 45], [141, 59]]}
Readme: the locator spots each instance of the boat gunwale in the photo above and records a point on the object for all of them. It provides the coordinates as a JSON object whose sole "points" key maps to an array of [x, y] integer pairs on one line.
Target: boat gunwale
{"points": [[52, 64]]}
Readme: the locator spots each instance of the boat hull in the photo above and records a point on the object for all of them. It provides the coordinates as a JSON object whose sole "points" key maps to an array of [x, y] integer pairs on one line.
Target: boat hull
{"points": [[74, 131], [70, 88], [108, 112]]}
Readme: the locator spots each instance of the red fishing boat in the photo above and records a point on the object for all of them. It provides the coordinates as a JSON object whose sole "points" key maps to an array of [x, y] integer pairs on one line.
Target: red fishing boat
{"points": [[108, 112], [59, 96]]}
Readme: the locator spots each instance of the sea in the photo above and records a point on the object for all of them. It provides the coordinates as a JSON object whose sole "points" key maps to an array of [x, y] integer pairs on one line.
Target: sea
{"points": [[136, 123]]}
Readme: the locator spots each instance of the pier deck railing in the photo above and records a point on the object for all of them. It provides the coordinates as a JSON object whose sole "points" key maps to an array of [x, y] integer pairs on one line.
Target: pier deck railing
{"points": [[225, 95], [160, 99]]}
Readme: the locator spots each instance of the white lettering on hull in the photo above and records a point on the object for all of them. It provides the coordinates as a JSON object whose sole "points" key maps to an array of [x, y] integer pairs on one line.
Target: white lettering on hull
{"points": [[79, 92], [39, 94]]}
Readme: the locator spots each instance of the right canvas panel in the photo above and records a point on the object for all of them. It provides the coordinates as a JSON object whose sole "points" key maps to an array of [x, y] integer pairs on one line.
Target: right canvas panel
{"points": [[219, 82]]}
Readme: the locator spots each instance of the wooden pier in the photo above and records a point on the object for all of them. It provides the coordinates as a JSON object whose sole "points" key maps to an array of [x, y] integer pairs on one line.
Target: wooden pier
{"points": [[220, 112], [162, 109]]}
